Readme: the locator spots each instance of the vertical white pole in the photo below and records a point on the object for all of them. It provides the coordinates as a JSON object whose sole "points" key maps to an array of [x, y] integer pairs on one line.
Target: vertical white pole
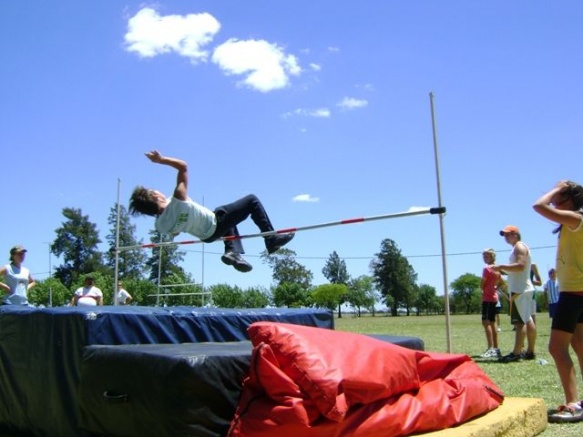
{"points": [[441, 226], [117, 220], [202, 274], [159, 272], [50, 276]]}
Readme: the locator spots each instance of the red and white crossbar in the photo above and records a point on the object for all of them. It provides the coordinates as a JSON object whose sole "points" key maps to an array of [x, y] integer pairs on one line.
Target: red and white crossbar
{"points": [[438, 210]]}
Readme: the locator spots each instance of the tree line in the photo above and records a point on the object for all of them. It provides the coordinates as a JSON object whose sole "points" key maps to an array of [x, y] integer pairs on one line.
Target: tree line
{"points": [[392, 280]]}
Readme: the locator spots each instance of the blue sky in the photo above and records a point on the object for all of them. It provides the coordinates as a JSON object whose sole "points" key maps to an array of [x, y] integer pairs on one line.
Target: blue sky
{"points": [[323, 100]]}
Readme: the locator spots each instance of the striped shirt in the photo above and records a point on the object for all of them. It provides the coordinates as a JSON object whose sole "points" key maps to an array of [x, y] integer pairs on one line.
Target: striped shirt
{"points": [[552, 290]]}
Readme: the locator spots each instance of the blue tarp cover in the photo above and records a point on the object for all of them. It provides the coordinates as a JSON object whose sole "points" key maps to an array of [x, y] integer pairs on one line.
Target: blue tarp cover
{"points": [[41, 351]]}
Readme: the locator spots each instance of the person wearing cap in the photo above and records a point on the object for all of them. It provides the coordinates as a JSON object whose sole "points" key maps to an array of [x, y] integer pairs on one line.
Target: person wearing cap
{"points": [[491, 281], [563, 204], [521, 289], [17, 279], [180, 213], [88, 295]]}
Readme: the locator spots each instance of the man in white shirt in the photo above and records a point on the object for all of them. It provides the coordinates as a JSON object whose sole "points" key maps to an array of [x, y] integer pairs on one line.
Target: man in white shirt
{"points": [[122, 297], [180, 213], [88, 295], [520, 288]]}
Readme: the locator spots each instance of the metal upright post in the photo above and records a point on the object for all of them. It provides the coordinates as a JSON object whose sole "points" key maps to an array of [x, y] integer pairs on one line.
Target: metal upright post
{"points": [[441, 226], [159, 272], [116, 270]]}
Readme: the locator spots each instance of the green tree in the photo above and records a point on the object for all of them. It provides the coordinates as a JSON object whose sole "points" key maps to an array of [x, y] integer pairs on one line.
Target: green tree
{"points": [[131, 262], [361, 293], [255, 297], [171, 257], [336, 272], [76, 242], [226, 296], [328, 295], [427, 300], [412, 290], [286, 270], [41, 293], [393, 275], [466, 292], [291, 295]]}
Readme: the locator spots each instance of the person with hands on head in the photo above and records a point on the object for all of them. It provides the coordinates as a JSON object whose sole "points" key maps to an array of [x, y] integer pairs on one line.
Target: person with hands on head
{"points": [[563, 205], [520, 288], [17, 279], [179, 213]]}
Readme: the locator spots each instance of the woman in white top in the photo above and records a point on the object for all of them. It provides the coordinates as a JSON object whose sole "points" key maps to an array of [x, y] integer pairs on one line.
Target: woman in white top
{"points": [[17, 279]]}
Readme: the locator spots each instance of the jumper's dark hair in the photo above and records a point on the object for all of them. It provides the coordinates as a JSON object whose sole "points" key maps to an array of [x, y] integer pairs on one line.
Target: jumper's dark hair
{"points": [[143, 202], [574, 192]]}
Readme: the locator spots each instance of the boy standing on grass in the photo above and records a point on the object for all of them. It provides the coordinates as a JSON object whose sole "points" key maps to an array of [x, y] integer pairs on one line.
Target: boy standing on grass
{"points": [[563, 205], [180, 213], [489, 285]]}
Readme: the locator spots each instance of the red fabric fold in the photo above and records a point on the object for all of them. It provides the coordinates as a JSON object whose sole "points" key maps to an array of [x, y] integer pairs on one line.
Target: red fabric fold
{"points": [[318, 382]]}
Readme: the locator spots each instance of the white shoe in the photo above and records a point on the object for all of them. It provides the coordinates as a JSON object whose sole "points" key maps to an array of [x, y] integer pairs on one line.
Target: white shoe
{"points": [[499, 330], [491, 353]]}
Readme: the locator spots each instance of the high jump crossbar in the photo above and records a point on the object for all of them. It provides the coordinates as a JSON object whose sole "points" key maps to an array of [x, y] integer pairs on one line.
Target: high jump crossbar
{"points": [[437, 210], [200, 293]]}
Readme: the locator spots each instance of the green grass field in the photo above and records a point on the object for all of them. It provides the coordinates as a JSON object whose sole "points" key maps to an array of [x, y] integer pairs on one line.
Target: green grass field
{"points": [[521, 379]]}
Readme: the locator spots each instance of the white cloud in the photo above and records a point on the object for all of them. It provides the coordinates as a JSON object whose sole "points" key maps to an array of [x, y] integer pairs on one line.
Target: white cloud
{"points": [[317, 113], [333, 49], [365, 86], [150, 34], [351, 103], [315, 67], [265, 65], [305, 198]]}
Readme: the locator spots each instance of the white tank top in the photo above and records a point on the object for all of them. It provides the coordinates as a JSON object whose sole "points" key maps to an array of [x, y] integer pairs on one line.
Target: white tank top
{"points": [[186, 216], [17, 279], [519, 282]]}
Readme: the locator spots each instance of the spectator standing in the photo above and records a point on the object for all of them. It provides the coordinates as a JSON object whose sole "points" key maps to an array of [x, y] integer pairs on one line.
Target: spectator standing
{"points": [[17, 279], [551, 289], [489, 284], [520, 288], [88, 295], [122, 297], [563, 205]]}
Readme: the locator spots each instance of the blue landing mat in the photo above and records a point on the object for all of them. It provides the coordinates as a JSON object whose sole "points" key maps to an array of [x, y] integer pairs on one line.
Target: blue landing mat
{"points": [[41, 350]]}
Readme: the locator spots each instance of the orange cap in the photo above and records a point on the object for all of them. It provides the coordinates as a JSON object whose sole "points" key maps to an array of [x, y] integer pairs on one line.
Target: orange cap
{"points": [[509, 229]]}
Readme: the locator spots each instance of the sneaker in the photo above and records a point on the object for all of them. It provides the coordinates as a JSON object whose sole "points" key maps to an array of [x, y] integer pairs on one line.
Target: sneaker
{"points": [[499, 330], [528, 355], [486, 354], [510, 358], [491, 353], [567, 413], [236, 260], [276, 242]]}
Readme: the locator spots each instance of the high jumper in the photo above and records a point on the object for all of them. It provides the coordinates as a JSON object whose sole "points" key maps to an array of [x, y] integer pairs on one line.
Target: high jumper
{"points": [[180, 213]]}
